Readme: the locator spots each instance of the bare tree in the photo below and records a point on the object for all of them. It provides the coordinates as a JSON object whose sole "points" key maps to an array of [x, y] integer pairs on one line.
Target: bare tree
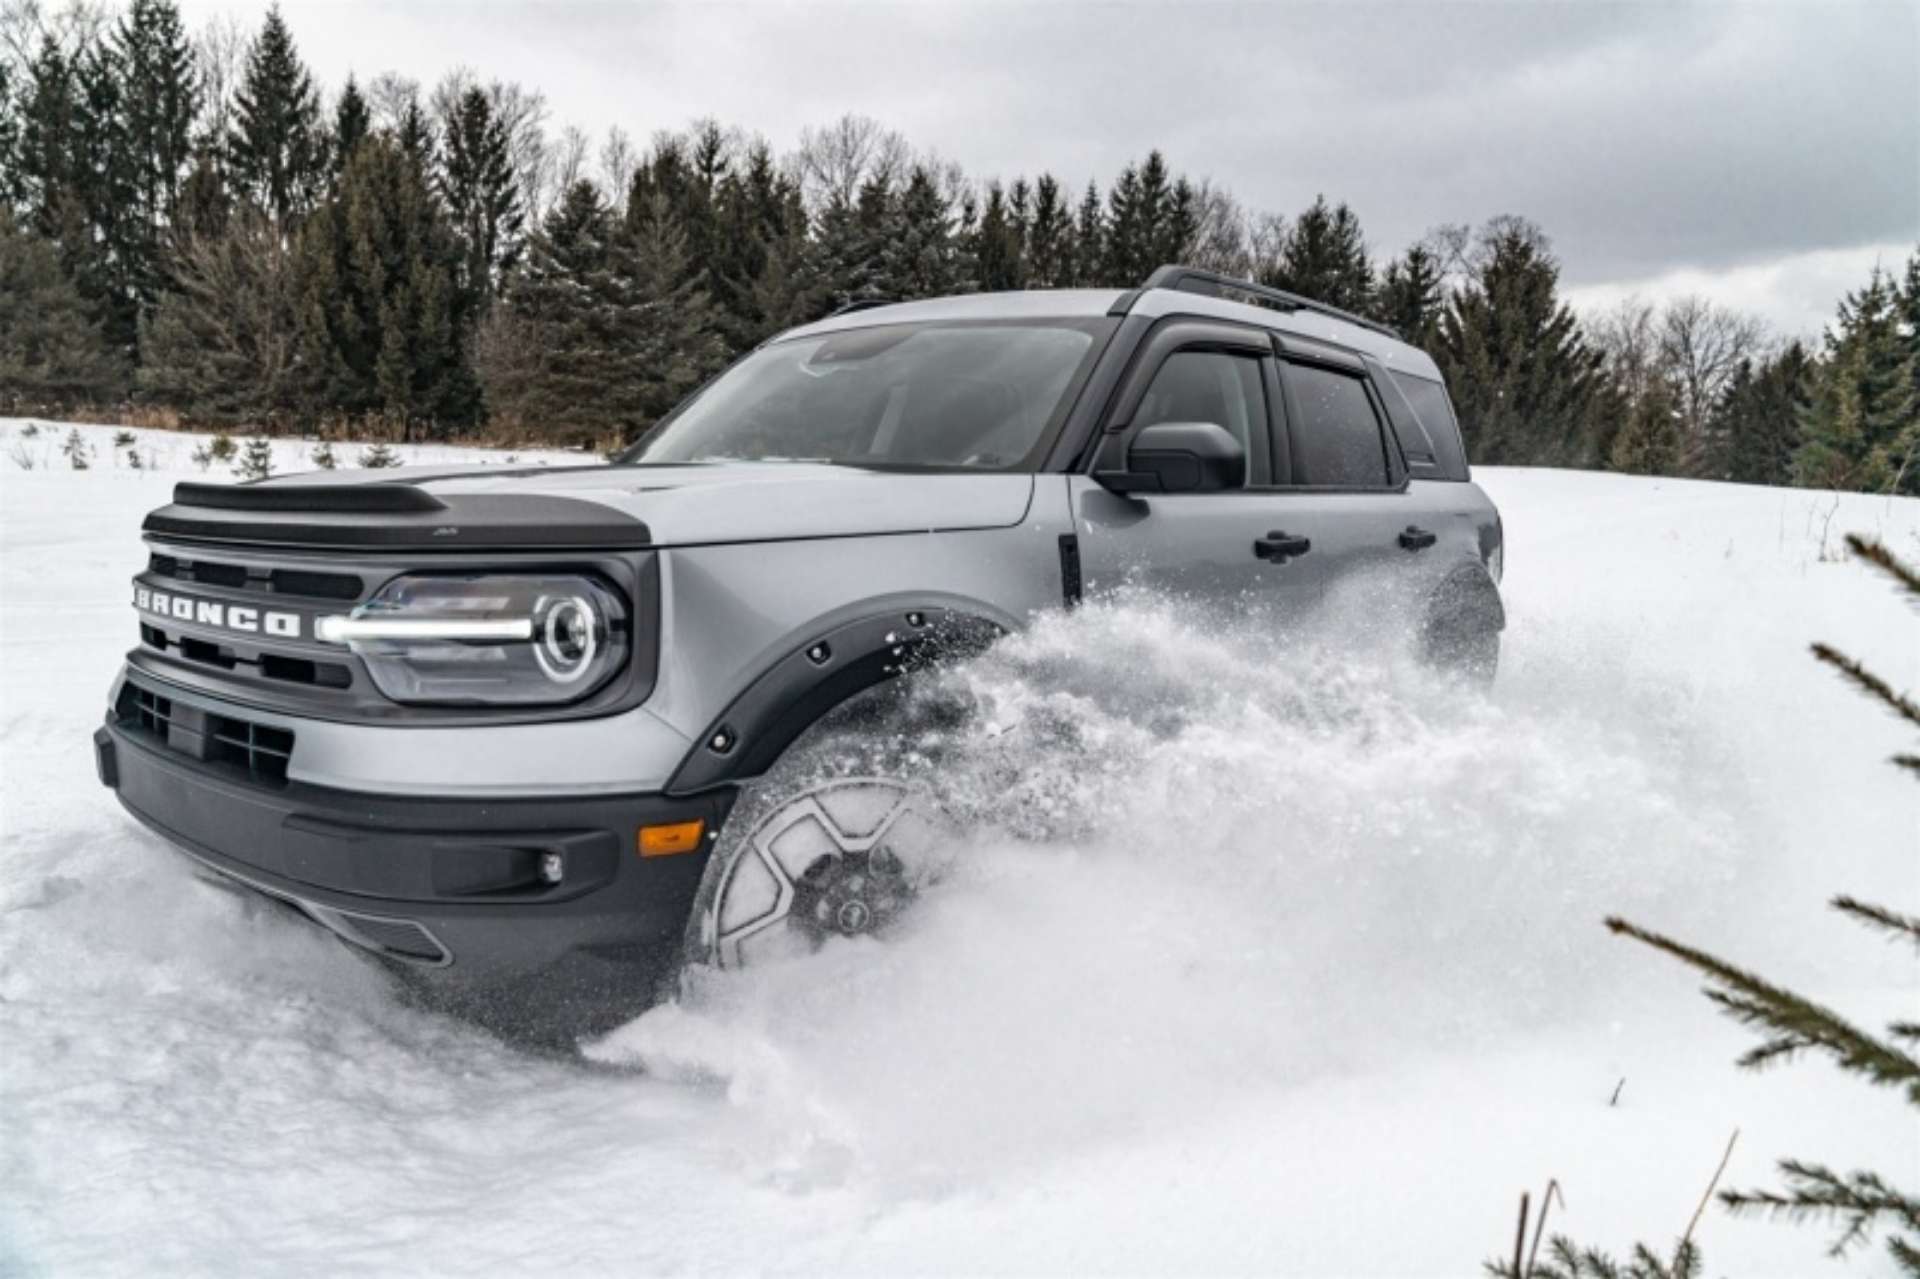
{"points": [[389, 96], [1223, 235], [833, 161], [1266, 238], [1701, 346], [618, 160], [24, 24], [567, 160], [1628, 338], [219, 53]]}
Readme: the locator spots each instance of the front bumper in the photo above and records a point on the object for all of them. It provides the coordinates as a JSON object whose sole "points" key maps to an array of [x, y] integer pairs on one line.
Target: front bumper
{"points": [[456, 891]]}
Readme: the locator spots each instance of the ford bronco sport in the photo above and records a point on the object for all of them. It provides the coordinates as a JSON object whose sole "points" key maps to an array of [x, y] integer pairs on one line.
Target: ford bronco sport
{"points": [[490, 724]]}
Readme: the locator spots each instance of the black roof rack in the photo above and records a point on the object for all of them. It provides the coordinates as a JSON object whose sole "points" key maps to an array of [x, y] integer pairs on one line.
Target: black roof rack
{"points": [[1192, 279], [861, 304]]}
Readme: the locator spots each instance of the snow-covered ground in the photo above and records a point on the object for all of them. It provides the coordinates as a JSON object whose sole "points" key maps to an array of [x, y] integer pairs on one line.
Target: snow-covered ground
{"points": [[1316, 985]]}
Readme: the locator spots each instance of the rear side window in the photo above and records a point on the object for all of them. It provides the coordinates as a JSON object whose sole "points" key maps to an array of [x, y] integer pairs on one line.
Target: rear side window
{"points": [[1335, 431], [1434, 443]]}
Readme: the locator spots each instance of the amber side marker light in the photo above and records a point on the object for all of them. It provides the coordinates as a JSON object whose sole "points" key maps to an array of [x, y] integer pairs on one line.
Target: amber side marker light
{"points": [[675, 837]]}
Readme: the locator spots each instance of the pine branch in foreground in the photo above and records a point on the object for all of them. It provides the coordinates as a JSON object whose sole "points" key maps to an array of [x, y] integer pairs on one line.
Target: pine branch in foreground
{"points": [[1857, 1201], [1869, 683], [1899, 927], [1566, 1260], [1797, 1023], [1877, 554]]}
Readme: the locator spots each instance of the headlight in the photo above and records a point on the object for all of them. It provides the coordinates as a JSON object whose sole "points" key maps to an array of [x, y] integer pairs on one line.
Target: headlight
{"points": [[487, 639]]}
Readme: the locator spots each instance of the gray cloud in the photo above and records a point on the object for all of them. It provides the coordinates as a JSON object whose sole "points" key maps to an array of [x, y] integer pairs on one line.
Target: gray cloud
{"points": [[1647, 139]]}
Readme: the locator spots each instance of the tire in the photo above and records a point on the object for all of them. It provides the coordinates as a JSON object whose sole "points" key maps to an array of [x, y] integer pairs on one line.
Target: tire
{"points": [[826, 845], [1466, 649]]}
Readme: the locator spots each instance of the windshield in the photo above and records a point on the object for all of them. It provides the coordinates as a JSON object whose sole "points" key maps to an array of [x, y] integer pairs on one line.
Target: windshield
{"points": [[977, 396]]}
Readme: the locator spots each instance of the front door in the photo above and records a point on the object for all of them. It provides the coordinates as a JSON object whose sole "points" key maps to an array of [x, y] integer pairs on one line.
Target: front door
{"points": [[1233, 550]]}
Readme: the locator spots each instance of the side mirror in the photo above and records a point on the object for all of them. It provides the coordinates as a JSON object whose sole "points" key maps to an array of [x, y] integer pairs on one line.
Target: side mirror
{"points": [[1179, 457]]}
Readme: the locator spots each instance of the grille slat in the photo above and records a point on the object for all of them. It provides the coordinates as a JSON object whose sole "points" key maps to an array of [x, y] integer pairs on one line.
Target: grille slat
{"points": [[305, 583], [261, 751]]}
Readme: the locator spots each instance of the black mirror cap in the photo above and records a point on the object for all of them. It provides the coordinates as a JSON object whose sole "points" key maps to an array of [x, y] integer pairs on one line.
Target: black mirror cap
{"points": [[1180, 457]]}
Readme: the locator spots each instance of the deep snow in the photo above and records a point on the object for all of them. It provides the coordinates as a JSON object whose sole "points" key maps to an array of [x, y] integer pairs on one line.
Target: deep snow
{"points": [[1310, 978]]}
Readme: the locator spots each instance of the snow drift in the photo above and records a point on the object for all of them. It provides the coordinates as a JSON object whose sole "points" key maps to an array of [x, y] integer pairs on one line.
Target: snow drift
{"points": [[1262, 955]]}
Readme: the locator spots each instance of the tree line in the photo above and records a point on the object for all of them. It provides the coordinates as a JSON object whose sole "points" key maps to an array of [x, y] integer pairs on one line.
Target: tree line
{"points": [[191, 228]]}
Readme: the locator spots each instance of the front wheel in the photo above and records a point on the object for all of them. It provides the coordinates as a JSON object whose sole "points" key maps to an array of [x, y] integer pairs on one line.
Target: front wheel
{"points": [[841, 858]]}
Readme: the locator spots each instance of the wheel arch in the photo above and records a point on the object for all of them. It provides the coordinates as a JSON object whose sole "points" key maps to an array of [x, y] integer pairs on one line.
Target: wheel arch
{"points": [[835, 659]]}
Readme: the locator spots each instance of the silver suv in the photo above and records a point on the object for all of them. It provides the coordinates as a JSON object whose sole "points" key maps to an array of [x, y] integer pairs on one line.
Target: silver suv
{"points": [[520, 732]]}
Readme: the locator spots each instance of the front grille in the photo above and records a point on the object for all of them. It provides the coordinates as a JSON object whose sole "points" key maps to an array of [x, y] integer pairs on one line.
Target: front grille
{"points": [[241, 577], [259, 752], [275, 666]]}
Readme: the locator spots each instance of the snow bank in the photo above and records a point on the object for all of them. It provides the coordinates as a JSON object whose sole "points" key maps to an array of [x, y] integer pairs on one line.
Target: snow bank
{"points": [[1308, 978]]}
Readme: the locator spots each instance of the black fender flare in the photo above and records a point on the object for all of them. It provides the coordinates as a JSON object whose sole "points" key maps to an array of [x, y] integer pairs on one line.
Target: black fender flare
{"points": [[1466, 604], [756, 728]]}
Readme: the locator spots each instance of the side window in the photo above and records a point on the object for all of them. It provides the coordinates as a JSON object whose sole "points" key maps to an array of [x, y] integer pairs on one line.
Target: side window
{"points": [[1212, 386], [1336, 433]]}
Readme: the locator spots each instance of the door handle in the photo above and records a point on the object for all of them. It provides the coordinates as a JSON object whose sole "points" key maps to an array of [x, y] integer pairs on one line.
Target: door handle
{"points": [[1417, 539], [1280, 547]]}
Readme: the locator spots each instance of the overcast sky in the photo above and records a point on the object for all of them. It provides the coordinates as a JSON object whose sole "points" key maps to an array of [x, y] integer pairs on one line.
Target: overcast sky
{"points": [[1766, 154]]}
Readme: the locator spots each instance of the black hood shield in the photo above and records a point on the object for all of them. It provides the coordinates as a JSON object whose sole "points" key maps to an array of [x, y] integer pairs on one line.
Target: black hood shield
{"points": [[392, 515]]}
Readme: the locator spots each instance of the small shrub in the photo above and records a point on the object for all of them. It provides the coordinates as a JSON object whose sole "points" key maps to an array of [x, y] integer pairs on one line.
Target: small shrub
{"points": [[30, 430], [322, 456], [256, 460], [221, 447], [123, 439], [22, 456], [77, 451], [202, 457], [378, 457], [133, 460]]}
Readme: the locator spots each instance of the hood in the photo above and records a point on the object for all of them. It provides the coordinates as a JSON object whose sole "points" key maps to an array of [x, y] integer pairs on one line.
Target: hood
{"points": [[599, 507]]}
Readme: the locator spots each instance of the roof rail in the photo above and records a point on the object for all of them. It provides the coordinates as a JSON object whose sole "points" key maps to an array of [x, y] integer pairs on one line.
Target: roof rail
{"points": [[1192, 279], [861, 304]]}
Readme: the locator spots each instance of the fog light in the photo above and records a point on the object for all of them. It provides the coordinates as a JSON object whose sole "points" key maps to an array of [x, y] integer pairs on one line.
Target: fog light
{"points": [[553, 867], [675, 837]]}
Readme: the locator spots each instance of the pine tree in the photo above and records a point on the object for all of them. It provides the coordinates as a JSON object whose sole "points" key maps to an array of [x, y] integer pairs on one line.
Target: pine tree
{"points": [[52, 352], [222, 345], [995, 250], [352, 119], [922, 259], [482, 195], [383, 328], [79, 454], [1860, 1201], [1049, 262], [1757, 419], [1151, 221], [377, 457], [1528, 388], [114, 259], [1862, 426], [1653, 438], [47, 144], [1411, 295], [762, 230], [1090, 241], [256, 459], [12, 187], [848, 259], [601, 331], [277, 150], [1324, 257], [162, 99], [323, 456]]}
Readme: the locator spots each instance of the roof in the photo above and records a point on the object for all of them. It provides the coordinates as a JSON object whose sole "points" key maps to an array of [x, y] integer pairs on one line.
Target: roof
{"points": [[1038, 304]]}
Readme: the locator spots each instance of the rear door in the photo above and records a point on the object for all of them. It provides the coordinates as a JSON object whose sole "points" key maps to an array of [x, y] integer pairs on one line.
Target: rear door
{"points": [[1346, 481]]}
